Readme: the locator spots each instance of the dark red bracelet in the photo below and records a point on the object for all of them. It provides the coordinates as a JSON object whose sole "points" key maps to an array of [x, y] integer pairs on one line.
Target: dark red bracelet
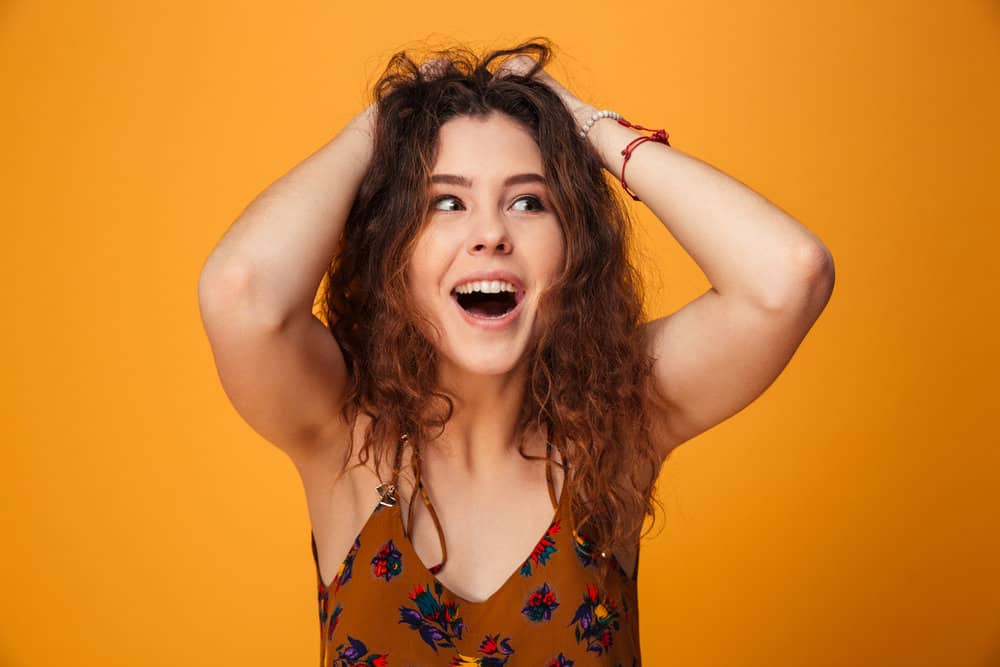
{"points": [[659, 136]]}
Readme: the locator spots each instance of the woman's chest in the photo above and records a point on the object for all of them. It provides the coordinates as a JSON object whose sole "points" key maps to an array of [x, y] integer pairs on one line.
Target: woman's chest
{"points": [[483, 544]]}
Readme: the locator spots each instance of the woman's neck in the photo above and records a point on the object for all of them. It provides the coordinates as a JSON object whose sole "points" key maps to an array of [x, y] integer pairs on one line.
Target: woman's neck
{"points": [[481, 433]]}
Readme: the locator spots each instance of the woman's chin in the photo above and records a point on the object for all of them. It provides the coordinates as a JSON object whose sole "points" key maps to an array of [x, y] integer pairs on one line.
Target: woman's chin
{"points": [[499, 363]]}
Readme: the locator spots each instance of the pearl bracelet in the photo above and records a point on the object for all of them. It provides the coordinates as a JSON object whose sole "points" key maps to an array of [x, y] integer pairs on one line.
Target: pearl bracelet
{"points": [[606, 113]]}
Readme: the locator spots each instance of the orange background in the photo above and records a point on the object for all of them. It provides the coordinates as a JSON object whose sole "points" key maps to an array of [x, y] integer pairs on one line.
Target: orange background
{"points": [[847, 517]]}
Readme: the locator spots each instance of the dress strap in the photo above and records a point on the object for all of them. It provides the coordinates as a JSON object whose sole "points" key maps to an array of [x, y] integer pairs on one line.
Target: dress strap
{"points": [[548, 469], [419, 485], [388, 491], [312, 538]]}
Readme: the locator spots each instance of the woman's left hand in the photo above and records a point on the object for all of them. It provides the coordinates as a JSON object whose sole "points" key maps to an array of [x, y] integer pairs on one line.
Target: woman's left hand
{"points": [[522, 64]]}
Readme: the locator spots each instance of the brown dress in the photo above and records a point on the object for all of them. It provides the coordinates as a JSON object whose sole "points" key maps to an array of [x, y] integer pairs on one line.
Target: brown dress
{"points": [[385, 608]]}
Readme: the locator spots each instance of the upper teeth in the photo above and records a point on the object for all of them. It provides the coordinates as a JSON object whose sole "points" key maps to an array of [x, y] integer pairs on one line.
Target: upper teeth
{"points": [[488, 286]]}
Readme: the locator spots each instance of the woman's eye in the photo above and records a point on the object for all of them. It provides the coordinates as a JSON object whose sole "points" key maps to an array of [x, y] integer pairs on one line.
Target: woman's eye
{"points": [[530, 198], [442, 198], [536, 201]]}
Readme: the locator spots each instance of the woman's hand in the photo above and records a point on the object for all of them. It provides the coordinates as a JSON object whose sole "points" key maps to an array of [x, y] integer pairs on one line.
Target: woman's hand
{"points": [[522, 64], [434, 68]]}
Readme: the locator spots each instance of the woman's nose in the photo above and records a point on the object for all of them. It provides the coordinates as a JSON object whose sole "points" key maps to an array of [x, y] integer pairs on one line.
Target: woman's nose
{"points": [[491, 236]]}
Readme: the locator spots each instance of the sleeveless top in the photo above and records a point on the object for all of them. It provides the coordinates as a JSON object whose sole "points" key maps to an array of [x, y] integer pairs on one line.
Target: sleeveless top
{"points": [[384, 608]]}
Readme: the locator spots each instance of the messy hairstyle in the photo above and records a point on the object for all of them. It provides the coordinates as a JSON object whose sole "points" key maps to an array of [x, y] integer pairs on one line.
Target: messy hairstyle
{"points": [[588, 375]]}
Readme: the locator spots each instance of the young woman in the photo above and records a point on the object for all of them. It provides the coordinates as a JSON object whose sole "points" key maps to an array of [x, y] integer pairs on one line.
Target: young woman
{"points": [[481, 336]]}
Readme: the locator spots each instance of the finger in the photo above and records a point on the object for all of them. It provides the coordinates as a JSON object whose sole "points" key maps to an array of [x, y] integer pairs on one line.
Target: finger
{"points": [[434, 67], [520, 65]]}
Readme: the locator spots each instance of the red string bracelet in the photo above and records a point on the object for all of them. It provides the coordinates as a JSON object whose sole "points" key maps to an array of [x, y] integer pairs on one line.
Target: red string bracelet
{"points": [[659, 136]]}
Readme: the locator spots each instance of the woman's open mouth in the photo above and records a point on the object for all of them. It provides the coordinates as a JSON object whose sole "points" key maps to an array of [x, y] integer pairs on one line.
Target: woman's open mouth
{"points": [[485, 304], [488, 305]]}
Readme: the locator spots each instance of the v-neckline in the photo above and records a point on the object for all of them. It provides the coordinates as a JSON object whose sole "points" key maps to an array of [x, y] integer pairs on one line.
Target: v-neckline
{"points": [[397, 521]]}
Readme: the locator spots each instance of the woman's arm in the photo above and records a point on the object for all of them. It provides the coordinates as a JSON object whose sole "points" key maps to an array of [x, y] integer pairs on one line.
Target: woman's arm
{"points": [[276, 253], [278, 364], [770, 276], [748, 248]]}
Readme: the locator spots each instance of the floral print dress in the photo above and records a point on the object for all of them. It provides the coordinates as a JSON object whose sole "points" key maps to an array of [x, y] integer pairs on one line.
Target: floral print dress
{"points": [[384, 608]]}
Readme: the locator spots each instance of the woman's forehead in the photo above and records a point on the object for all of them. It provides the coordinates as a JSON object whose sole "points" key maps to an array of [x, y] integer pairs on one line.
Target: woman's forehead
{"points": [[490, 148]]}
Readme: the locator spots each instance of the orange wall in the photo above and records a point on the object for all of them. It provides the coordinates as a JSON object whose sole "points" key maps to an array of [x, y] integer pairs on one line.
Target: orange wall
{"points": [[844, 518]]}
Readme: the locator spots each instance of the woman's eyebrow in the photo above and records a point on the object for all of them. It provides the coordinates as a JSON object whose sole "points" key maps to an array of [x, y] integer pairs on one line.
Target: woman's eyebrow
{"points": [[464, 181]]}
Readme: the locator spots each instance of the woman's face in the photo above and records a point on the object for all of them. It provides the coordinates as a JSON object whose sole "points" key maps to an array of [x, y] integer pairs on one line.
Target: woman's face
{"points": [[490, 229]]}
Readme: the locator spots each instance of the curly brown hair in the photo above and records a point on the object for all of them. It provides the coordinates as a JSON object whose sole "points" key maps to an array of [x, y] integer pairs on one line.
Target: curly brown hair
{"points": [[589, 373]]}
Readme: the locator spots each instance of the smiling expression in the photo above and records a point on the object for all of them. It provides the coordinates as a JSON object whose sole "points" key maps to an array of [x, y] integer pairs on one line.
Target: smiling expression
{"points": [[490, 245]]}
